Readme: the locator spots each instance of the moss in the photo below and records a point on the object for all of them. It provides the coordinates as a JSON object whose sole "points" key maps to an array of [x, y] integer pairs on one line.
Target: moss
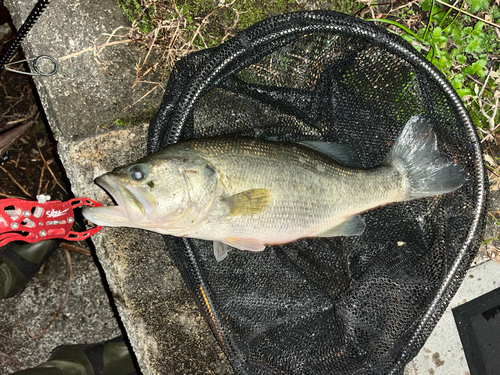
{"points": [[140, 117], [40, 125], [222, 20], [122, 122], [345, 6], [254, 11], [132, 9]]}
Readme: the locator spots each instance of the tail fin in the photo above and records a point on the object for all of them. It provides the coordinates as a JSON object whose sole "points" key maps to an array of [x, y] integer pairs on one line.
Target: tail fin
{"points": [[427, 172]]}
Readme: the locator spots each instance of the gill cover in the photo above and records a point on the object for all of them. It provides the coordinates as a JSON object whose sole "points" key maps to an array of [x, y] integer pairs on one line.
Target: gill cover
{"points": [[201, 182]]}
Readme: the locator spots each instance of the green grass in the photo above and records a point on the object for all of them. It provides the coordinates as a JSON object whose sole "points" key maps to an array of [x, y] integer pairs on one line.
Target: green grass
{"points": [[464, 49], [134, 11]]}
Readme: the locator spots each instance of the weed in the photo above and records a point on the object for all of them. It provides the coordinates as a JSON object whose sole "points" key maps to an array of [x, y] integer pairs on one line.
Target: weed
{"points": [[465, 49], [167, 30], [135, 12]]}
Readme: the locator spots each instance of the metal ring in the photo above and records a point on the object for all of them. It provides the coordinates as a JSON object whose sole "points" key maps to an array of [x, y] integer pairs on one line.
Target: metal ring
{"points": [[34, 63], [41, 72]]}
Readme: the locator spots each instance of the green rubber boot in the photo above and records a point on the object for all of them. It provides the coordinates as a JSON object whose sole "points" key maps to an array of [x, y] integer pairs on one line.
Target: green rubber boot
{"points": [[108, 358], [19, 262]]}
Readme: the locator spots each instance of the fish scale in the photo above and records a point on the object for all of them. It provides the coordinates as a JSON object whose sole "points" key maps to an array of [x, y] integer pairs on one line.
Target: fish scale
{"points": [[305, 200]]}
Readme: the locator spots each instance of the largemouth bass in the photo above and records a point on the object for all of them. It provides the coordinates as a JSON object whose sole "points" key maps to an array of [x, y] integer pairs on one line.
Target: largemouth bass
{"points": [[247, 193]]}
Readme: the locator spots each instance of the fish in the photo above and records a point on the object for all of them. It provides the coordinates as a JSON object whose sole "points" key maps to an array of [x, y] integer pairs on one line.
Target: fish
{"points": [[247, 193]]}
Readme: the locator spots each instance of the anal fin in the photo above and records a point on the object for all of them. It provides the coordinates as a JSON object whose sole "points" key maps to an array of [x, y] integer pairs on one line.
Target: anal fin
{"points": [[353, 226], [220, 250], [249, 244]]}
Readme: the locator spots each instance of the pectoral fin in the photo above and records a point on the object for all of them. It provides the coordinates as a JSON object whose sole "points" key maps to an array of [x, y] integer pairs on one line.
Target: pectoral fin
{"points": [[353, 226], [249, 244], [249, 202]]}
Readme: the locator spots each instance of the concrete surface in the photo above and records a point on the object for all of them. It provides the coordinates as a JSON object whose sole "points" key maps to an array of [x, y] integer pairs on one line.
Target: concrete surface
{"points": [[86, 317]]}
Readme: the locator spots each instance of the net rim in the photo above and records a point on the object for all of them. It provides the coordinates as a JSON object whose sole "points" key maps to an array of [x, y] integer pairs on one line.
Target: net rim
{"points": [[277, 28]]}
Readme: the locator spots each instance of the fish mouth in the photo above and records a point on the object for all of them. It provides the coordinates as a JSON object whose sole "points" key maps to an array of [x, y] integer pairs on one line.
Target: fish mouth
{"points": [[129, 208], [116, 190]]}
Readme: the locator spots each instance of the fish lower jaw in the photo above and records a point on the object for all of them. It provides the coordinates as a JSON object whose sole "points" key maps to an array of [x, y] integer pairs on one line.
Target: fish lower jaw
{"points": [[110, 216], [180, 233]]}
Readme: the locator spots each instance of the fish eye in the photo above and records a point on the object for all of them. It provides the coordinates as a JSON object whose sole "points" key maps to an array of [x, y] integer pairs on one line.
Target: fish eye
{"points": [[137, 173]]}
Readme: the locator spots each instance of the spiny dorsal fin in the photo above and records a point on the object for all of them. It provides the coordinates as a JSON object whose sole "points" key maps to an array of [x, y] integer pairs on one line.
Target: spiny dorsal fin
{"points": [[339, 152], [249, 202]]}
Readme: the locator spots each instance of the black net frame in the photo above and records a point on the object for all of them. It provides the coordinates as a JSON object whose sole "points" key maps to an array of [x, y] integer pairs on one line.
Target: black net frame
{"points": [[367, 304]]}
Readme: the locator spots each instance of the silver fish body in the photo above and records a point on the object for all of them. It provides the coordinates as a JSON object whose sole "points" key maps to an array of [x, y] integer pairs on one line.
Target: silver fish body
{"points": [[248, 193]]}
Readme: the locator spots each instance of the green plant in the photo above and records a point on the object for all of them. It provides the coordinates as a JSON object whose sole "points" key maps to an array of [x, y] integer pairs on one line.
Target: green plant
{"points": [[462, 47], [136, 12], [140, 117]]}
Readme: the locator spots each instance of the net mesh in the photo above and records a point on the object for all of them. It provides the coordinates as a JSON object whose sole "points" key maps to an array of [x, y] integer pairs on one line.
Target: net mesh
{"points": [[342, 305]]}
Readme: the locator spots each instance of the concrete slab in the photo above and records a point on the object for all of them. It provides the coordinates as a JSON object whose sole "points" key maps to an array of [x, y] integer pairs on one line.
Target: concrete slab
{"points": [[443, 354], [86, 317]]}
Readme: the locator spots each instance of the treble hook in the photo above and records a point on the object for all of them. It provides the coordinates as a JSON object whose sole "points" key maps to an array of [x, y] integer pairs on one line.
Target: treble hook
{"points": [[36, 68]]}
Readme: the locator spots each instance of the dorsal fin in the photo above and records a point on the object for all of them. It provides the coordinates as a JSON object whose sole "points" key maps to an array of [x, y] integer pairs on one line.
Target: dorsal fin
{"points": [[341, 153]]}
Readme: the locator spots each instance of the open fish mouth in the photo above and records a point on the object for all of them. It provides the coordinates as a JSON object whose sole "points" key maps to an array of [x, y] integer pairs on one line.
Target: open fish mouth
{"points": [[112, 189], [128, 208]]}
